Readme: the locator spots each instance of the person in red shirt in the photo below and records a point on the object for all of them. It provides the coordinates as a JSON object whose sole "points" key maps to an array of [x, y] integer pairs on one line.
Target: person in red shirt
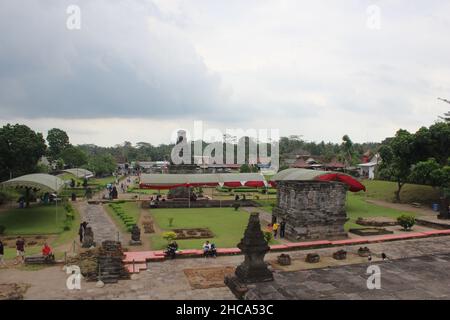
{"points": [[46, 250]]}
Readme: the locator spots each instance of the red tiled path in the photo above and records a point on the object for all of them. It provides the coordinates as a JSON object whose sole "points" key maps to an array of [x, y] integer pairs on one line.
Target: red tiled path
{"points": [[137, 260]]}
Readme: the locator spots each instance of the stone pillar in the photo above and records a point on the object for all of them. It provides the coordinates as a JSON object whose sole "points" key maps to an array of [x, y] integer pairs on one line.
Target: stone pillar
{"points": [[253, 269], [311, 209]]}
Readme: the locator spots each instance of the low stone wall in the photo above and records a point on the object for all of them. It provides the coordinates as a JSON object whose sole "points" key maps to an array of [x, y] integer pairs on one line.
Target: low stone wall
{"points": [[200, 204], [312, 209]]}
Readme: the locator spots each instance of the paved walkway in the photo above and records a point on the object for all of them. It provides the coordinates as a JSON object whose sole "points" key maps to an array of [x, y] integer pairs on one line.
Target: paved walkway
{"points": [[102, 225], [417, 276], [424, 277]]}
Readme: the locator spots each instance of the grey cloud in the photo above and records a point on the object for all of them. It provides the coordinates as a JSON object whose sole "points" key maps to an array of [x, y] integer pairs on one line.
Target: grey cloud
{"points": [[115, 66]]}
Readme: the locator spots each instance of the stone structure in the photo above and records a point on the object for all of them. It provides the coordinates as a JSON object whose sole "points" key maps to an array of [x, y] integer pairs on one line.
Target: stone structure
{"points": [[284, 259], [253, 269], [182, 193], [110, 262], [88, 238], [444, 212], [312, 258], [135, 236], [363, 252], [311, 209], [340, 255]]}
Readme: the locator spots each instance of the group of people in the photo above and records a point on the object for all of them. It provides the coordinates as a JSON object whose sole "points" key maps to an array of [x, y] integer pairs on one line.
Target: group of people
{"points": [[275, 227], [20, 251], [209, 250]]}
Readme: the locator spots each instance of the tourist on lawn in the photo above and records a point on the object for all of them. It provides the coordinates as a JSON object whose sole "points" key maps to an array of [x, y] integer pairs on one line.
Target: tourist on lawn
{"points": [[20, 250], [275, 227], [206, 248], [2, 252], [282, 228]]}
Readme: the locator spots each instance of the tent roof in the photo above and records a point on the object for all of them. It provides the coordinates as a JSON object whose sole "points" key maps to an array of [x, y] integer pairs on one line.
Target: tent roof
{"points": [[79, 172], [298, 174], [41, 181], [307, 174], [155, 181]]}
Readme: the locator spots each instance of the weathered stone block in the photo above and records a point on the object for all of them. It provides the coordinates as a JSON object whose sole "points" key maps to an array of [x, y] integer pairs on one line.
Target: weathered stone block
{"points": [[312, 209]]}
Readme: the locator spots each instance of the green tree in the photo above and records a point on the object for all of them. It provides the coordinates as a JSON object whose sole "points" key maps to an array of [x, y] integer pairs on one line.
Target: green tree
{"points": [[347, 148], [102, 164], [57, 140], [20, 150], [398, 156], [74, 157]]}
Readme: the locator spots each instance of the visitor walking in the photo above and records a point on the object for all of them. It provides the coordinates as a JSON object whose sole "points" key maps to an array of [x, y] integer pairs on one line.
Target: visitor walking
{"points": [[2, 252], [82, 230], [282, 228], [20, 250], [275, 227]]}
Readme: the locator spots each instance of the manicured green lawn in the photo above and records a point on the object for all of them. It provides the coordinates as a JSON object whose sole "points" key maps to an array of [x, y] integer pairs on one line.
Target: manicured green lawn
{"points": [[43, 219], [227, 225], [358, 207], [38, 219], [384, 190]]}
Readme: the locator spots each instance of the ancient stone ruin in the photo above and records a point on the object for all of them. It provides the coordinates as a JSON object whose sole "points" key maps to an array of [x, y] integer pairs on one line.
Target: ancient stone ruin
{"points": [[135, 236], [110, 262], [253, 269], [311, 209], [312, 258]]}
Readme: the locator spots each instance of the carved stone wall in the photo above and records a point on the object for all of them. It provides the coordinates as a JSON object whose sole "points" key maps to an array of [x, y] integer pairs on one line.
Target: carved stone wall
{"points": [[311, 209]]}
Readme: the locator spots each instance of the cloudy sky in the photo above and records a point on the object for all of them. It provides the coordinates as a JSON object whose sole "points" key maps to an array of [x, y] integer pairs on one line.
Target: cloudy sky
{"points": [[137, 70]]}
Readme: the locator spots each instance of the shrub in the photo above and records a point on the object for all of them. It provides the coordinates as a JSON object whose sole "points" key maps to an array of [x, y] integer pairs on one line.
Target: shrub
{"points": [[268, 236], [406, 221], [169, 236], [2, 229], [170, 221]]}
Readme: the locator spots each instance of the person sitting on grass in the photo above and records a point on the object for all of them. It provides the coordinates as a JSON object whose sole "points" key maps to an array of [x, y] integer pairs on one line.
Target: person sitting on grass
{"points": [[206, 249], [172, 249]]}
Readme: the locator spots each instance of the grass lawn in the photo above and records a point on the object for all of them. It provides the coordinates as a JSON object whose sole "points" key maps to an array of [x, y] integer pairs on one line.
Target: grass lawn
{"points": [[132, 209], [358, 207], [384, 190], [43, 222], [226, 224], [38, 219]]}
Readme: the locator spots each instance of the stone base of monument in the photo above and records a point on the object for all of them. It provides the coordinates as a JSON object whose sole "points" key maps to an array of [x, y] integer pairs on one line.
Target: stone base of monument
{"points": [[340, 255], [284, 259], [363, 252], [135, 243], [312, 258], [238, 288]]}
